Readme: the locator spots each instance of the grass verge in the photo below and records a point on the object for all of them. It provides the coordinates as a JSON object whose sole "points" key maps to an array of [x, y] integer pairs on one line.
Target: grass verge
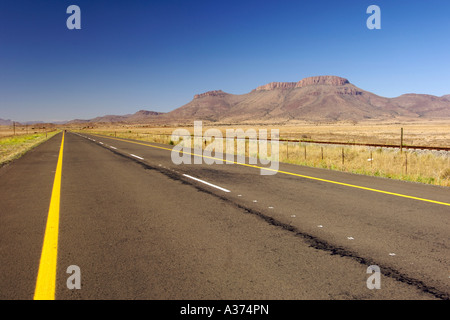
{"points": [[12, 148]]}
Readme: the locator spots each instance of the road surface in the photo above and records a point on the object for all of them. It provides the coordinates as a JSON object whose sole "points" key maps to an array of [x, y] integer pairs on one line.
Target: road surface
{"points": [[140, 227]]}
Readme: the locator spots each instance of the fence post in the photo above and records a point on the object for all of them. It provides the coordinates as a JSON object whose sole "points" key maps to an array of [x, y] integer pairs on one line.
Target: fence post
{"points": [[342, 156], [406, 163], [287, 149], [401, 140]]}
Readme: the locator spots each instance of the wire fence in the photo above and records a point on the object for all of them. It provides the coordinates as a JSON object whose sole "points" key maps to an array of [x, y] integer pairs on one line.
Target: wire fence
{"points": [[412, 163]]}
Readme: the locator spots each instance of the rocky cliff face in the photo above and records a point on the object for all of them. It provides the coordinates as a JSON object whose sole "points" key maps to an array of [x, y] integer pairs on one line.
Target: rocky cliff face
{"points": [[214, 93], [311, 81], [276, 85], [146, 113], [322, 80], [349, 91]]}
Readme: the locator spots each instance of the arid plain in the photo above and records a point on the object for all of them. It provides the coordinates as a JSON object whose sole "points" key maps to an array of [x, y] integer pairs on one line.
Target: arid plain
{"points": [[424, 166]]}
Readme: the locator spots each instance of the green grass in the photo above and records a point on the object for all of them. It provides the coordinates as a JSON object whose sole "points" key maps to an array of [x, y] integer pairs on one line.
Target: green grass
{"points": [[12, 148]]}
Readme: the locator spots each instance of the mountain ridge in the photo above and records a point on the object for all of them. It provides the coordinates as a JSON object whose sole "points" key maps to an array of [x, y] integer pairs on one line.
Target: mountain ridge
{"points": [[329, 98], [313, 99], [4, 122]]}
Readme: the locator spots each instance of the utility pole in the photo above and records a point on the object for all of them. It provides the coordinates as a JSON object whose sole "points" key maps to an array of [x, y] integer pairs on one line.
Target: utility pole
{"points": [[14, 127]]}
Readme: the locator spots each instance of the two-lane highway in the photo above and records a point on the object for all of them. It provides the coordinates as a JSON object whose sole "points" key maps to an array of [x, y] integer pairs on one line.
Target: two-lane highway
{"points": [[140, 227]]}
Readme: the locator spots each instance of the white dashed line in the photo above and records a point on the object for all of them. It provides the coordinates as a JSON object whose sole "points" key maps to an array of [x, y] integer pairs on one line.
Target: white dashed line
{"points": [[207, 183], [112, 147], [133, 155]]}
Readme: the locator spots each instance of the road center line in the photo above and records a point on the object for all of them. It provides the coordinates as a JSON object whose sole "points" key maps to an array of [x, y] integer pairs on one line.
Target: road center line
{"points": [[207, 183], [46, 279]]}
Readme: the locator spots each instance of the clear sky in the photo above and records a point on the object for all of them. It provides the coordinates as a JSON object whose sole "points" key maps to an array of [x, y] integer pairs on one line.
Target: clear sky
{"points": [[155, 55]]}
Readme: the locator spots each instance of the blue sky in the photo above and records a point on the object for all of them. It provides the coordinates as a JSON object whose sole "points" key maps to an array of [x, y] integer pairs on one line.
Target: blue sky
{"points": [[155, 55]]}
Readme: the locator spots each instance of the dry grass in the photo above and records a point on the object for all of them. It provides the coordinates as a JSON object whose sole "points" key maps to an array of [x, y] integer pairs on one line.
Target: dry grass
{"points": [[427, 133], [420, 166], [10, 131], [14, 147]]}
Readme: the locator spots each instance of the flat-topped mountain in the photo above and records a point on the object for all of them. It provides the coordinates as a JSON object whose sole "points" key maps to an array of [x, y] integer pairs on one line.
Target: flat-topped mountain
{"points": [[320, 98]]}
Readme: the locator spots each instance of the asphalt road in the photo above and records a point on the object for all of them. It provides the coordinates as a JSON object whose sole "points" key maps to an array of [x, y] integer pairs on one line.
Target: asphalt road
{"points": [[140, 227]]}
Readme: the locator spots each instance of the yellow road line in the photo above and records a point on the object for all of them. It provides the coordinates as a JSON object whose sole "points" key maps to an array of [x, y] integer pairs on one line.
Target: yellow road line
{"points": [[290, 173], [46, 280]]}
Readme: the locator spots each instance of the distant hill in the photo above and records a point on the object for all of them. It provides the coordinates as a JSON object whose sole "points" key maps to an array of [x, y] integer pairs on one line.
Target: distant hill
{"points": [[138, 117], [5, 122], [328, 98], [320, 98]]}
